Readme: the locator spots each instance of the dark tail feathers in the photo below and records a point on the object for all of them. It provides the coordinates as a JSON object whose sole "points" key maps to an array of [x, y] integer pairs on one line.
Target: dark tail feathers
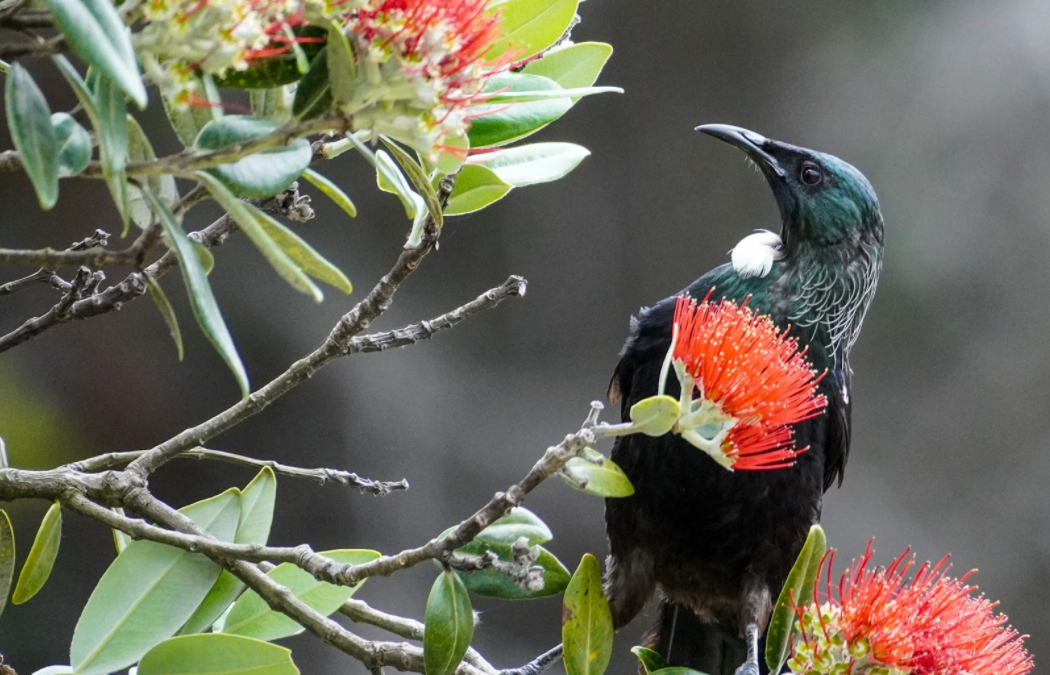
{"points": [[684, 640]]}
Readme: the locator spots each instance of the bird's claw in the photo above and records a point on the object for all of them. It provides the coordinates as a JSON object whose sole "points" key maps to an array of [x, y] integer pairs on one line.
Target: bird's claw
{"points": [[747, 668]]}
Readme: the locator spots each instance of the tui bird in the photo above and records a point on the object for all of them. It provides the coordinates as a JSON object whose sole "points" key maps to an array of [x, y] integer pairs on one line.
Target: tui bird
{"points": [[716, 544]]}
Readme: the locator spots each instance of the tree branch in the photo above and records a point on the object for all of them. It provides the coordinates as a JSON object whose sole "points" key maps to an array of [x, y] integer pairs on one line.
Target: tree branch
{"points": [[134, 285], [132, 256], [322, 475]]}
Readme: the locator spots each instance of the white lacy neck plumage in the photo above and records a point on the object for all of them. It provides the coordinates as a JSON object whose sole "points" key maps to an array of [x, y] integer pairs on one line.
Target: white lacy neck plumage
{"points": [[755, 253]]}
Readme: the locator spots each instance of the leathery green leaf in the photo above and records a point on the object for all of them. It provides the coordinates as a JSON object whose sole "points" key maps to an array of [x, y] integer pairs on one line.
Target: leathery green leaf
{"points": [[499, 124], [148, 592], [7, 557], [98, 35], [29, 119], [113, 141], [250, 220], [656, 415], [798, 589], [260, 175], [418, 179], [41, 558], [75, 143], [217, 654], [390, 179], [120, 539], [163, 185], [160, 299], [520, 522], [332, 191], [476, 187], [586, 621], [205, 309], [449, 625], [531, 164], [253, 527], [650, 659], [530, 26], [601, 480], [309, 260], [576, 65], [313, 95], [252, 617], [492, 583]]}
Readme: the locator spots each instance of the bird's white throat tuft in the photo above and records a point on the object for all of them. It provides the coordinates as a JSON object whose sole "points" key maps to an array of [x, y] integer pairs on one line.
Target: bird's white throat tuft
{"points": [[755, 253]]}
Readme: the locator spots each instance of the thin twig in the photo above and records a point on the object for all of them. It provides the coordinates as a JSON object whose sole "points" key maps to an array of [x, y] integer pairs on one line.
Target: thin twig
{"points": [[133, 286], [322, 475], [96, 257]]}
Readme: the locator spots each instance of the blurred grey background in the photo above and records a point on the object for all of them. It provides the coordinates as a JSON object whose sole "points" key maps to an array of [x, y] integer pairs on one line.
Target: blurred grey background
{"points": [[944, 105]]}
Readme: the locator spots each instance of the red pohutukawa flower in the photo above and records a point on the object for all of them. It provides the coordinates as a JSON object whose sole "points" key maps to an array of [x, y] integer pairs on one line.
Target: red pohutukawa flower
{"points": [[880, 621], [753, 382]]}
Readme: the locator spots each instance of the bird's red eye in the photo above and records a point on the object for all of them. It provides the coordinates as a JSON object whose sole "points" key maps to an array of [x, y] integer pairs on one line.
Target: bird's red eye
{"points": [[811, 174]]}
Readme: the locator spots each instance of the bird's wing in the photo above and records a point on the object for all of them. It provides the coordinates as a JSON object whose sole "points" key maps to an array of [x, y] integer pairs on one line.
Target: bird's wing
{"points": [[839, 412]]}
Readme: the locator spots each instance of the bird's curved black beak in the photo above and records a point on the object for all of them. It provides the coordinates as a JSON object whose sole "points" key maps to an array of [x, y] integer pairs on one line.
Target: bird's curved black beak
{"points": [[755, 146]]}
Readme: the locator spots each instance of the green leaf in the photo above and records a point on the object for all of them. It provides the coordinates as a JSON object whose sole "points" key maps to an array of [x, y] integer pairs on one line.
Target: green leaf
{"points": [[120, 539], [586, 621], [573, 66], [799, 585], [604, 480], [113, 142], [656, 415], [257, 502], [650, 659], [260, 175], [7, 558], [495, 584], [449, 625], [309, 260], [530, 26], [528, 96], [251, 616], [55, 670], [205, 310], [342, 70], [476, 188], [530, 164], [332, 191], [205, 256], [502, 123], [41, 558], [253, 527], [156, 293], [28, 117], [98, 35], [418, 178], [163, 185], [148, 592], [186, 122], [75, 143], [520, 522], [390, 179], [217, 654], [313, 95], [273, 104], [250, 220]]}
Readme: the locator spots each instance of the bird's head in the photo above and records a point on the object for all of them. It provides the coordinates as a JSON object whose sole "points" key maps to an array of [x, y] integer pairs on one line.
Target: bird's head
{"points": [[824, 202]]}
